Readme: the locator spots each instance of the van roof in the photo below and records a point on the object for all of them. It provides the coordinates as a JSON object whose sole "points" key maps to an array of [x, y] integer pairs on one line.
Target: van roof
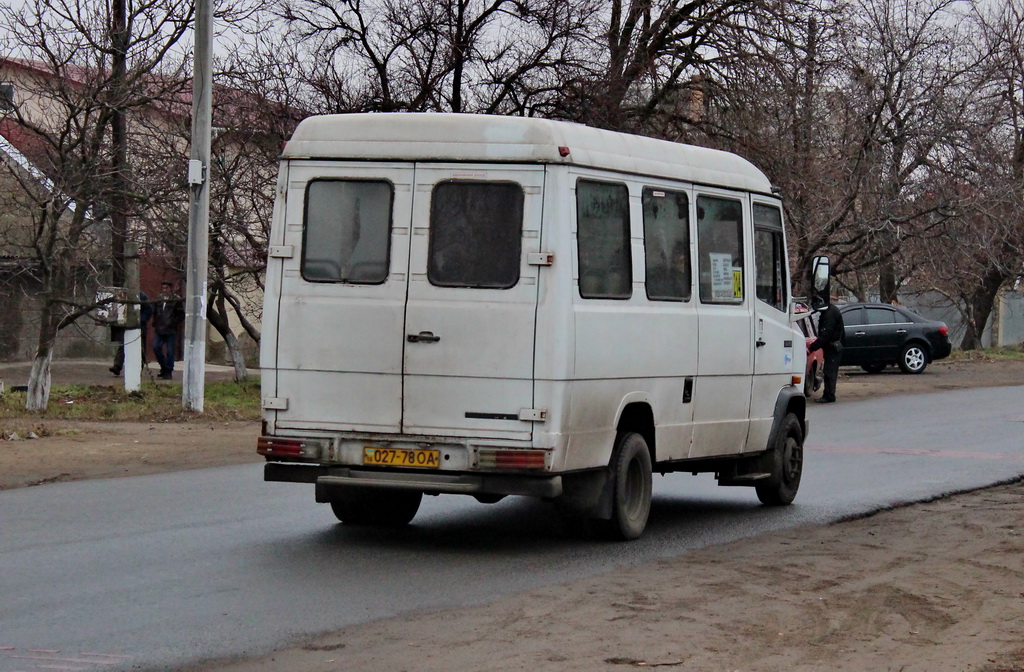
{"points": [[497, 139]]}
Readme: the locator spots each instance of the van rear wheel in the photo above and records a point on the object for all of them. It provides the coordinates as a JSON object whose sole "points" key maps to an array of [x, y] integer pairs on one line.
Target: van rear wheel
{"points": [[631, 496], [787, 465], [376, 506]]}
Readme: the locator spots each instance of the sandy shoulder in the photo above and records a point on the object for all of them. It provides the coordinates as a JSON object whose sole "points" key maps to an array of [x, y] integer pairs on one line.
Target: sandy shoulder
{"points": [[929, 587], [69, 450]]}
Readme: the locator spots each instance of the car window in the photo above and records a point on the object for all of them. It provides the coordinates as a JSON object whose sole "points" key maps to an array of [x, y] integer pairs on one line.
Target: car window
{"points": [[880, 316], [853, 316], [904, 315]]}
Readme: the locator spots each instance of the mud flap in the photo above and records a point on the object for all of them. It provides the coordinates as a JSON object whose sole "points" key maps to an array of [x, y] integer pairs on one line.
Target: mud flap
{"points": [[588, 494]]}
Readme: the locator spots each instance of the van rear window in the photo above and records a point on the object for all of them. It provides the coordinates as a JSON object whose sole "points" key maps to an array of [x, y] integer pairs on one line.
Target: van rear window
{"points": [[347, 231], [475, 234]]}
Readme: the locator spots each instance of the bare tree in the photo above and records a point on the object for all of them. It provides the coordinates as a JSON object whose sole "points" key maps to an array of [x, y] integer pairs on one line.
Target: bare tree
{"points": [[65, 111], [504, 56], [983, 250], [854, 114], [910, 79]]}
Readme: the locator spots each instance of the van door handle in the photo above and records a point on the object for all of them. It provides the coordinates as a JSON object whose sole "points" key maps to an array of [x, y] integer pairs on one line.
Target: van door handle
{"points": [[761, 342], [423, 337]]}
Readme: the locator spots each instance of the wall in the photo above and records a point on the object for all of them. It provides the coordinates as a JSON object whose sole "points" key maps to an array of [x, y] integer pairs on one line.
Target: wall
{"points": [[1005, 327]]}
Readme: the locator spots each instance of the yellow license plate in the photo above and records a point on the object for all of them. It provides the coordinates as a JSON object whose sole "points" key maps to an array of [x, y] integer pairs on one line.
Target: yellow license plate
{"points": [[400, 457]]}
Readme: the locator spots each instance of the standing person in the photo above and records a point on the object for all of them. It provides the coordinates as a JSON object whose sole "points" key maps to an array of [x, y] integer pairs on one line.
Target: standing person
{"points": [[117, 334], [168, 313], [830, 341]]}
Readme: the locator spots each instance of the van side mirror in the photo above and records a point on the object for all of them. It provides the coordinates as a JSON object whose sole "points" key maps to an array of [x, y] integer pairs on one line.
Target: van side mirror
{"points": [[821, 283]]}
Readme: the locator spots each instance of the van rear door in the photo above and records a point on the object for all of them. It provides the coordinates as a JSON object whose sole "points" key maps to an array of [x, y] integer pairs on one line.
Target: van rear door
{"points": [[341, 310], [407, 298], [472, 300]]}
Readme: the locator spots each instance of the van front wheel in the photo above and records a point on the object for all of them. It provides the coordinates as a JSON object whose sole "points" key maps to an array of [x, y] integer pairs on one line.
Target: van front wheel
{"points": [[631, 496], [787, 465], [376, 506]]}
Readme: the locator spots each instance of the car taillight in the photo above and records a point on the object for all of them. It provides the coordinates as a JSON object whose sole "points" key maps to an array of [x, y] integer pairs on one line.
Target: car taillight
{"points": [[281, 447], [944, 330], [490, 458]]}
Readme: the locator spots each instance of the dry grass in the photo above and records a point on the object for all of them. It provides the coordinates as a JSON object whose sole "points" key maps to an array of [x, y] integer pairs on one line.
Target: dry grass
{"points": [[161, 403]]}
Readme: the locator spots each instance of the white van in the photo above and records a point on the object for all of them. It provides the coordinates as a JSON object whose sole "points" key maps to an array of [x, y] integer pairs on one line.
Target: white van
{"points": [[492, 306]]}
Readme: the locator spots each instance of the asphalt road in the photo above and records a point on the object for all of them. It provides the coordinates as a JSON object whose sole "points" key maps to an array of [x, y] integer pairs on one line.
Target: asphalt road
{"points": [[155, 572]]}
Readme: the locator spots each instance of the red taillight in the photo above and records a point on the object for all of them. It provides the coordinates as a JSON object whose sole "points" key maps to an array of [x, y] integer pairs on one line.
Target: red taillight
{"points": [[268, 445], [511, 459], [944, 330]]}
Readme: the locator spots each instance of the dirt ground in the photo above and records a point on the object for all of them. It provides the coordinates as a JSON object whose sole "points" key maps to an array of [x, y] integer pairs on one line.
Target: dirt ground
{"points": [[930, 587], [75, 450]]}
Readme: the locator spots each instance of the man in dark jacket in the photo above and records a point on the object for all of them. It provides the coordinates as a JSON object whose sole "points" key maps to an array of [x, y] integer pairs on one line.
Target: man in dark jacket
{"points": [[168, 313], [830, 342]]}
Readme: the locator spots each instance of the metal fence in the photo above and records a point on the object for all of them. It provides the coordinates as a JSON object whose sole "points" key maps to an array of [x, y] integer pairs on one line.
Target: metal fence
{"points": [[1005, 327]]}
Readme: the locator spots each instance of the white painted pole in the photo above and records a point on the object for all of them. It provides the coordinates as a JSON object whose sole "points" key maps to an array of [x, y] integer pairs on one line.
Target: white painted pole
{"points": [[192, 391], [132, 360], [132, 336]]}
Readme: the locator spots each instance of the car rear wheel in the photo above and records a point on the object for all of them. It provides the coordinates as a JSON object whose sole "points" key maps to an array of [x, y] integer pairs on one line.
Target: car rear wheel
{"points": [[631, 497], [376, 506], [873, 368], [913, 359]]}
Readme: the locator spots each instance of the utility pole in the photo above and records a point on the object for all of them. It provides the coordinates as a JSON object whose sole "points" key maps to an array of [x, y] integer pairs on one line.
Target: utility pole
{"points": [[119, 162], [192, 391]]}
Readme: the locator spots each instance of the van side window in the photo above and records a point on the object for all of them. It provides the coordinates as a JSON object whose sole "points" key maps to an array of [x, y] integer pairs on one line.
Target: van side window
{"points": [[475, 234], [720, 249], [769, 259], [602, 240], [667, 244], [347, 231]]}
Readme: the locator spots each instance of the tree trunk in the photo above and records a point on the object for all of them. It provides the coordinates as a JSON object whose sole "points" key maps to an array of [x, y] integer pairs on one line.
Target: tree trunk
{"points": [[39, 380], [237, 358], [980, 308], [887, 284], [216, 314]]}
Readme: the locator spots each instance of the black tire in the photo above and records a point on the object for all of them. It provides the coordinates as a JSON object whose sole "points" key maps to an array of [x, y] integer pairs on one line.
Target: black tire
{"points": [[631, 498], [913, 358], [376, 506], [787, 465], [873, 368]]}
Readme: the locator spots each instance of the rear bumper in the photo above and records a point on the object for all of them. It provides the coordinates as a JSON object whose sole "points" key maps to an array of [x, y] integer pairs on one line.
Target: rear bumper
{"points": [[941, 350], [329, 479]]}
